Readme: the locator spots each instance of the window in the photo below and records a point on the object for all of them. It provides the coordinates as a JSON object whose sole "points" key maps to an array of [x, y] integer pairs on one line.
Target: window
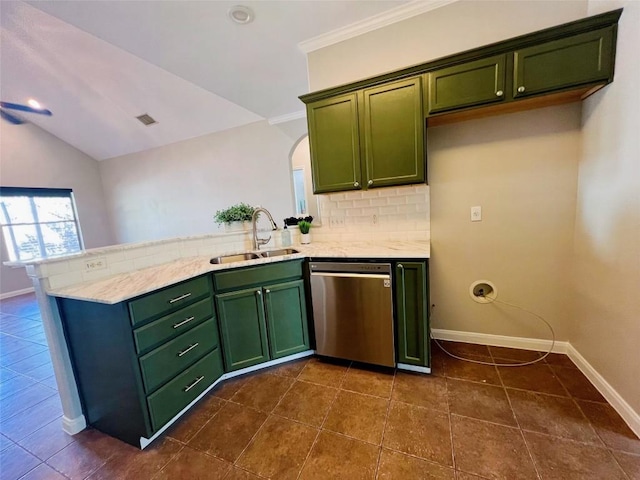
{"points": [[38, 222]]}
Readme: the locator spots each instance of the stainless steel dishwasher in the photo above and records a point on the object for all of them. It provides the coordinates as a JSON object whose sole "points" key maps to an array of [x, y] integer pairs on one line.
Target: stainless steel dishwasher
{"points": [[353, 311]]}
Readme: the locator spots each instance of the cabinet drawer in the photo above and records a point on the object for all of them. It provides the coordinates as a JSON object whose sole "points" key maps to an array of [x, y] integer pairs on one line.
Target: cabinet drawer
{"points": [[167, 327], [168, 299], [260, 275], [166, 361], [182, 390]]}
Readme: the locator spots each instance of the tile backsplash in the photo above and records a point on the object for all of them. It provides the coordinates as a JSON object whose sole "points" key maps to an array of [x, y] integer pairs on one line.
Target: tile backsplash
{"points": [[399, 213], [129, 257]]}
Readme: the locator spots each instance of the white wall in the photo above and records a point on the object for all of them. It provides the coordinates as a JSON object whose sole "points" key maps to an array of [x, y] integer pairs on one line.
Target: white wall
{"points": [[451, 29], [607, 235], [31, 157], [175, 190], [520, 168]]}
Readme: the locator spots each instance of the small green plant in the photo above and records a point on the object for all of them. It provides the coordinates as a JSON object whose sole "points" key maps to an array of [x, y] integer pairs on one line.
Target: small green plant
{"points": [[304, 226], [236, 213]]}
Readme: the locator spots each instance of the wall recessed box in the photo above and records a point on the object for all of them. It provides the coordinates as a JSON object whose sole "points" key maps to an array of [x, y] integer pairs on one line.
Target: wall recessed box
{"points": [[371, 133]]}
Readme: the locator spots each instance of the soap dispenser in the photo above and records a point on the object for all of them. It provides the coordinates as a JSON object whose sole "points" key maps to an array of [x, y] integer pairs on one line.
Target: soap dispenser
{"points": [[285, 236]]}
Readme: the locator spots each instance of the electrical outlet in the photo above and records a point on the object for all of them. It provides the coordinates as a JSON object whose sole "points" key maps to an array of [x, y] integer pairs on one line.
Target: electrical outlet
{"points": [[476, 214], [336, 222], [95, 264]]}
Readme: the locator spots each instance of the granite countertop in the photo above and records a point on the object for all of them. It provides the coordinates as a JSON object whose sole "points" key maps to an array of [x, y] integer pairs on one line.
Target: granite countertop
{"points": [[128, 285]]}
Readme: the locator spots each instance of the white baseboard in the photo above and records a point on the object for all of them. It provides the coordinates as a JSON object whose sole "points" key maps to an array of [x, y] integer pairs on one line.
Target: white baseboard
{"points": [[73, 425], [630, 416], [613, 397], [413, 368], [523, 343], [16, 293]]}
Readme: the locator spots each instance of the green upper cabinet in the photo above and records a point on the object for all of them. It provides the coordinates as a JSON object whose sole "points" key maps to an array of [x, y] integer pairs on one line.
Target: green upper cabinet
{"points": [[335, 144], [394, 131], [565, 63], [412, 313], [367, 134], [370, 138], [470, 84]]}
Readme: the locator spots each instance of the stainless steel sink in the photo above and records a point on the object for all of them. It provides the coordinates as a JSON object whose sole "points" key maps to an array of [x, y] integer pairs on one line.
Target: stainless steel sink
{"points": [[239, 257], [277, 253]]}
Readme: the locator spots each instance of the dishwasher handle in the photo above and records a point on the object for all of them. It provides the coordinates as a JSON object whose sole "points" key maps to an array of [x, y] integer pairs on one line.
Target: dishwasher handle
{"points": [[351, 275]]}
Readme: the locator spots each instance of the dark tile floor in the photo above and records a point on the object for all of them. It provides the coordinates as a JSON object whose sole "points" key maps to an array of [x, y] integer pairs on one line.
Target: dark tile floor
{"points": [[314, 419]]}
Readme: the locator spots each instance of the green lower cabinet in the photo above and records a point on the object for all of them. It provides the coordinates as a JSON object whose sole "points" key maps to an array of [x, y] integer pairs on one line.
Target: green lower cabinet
{"points": [[470, 84], [165, 403], [412, 313], [565, 63], [242, 328], [286, 318]]}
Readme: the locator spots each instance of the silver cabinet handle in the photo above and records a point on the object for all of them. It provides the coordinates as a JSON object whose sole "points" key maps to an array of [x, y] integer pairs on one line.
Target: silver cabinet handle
{"points": [[356, 184], [189, 387], [186, 320], [400, 266], [267, 291], [181, 297], [188, 349], [370, 182], [258, 292], [499, 93], [520, 89]]}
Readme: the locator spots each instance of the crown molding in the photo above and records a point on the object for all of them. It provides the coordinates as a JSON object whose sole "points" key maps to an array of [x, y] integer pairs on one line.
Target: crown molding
{"points": [[287, 117], [383, 19]]}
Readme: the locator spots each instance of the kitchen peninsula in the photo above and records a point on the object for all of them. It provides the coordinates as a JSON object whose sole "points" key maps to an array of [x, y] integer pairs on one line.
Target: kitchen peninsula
{"points": [[135, 329]]}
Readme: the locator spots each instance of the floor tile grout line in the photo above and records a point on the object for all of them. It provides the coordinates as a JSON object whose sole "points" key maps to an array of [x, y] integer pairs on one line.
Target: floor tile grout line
{"points": [[269, 414], [513, 412], [326, 415], [28, 452], [386, 421], [36, 431], [175, 455], [15, 414], [449, 414]]}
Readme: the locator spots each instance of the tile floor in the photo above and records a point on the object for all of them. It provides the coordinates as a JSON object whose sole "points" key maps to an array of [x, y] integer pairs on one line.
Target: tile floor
{"points": [[314, 419]]}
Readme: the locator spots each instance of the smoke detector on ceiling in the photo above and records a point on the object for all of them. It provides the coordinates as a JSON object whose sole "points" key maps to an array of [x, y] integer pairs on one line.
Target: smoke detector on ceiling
{"points": [[240, 14]]}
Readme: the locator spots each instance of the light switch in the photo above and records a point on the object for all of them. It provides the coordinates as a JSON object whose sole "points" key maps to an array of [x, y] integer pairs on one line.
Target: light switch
{"points": [[476, 214]]}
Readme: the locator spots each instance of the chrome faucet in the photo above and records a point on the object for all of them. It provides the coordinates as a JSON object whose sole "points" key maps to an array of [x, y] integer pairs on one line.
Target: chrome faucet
{"points": [[254, 219]]}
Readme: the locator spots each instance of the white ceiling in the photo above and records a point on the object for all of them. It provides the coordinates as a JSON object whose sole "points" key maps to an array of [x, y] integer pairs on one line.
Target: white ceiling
{"points": [[99, 64]]}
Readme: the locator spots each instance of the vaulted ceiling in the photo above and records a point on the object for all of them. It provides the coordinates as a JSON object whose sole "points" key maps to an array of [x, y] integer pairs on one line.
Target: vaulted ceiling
{"points": [[99, 64]]}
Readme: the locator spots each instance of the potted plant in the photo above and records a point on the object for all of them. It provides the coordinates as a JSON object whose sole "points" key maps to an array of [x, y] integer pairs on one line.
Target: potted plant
{"points": [[234, 217], [305, 236]]}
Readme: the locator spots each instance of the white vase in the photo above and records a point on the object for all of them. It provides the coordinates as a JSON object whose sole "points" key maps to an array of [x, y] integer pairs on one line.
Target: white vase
{"points": [[305, 238], [236, 226]]}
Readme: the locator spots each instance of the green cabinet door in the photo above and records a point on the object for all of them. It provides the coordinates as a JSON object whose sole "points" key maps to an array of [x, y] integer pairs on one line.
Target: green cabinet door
{"points": [[242, 328], [394, 131], [565, 63], [470, 84], [334, 143], [286, 318], [412, 314]]}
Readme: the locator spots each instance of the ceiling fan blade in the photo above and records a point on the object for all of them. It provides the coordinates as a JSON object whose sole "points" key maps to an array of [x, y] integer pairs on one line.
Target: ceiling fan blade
{"points": [[11, 118], [25, 108]]}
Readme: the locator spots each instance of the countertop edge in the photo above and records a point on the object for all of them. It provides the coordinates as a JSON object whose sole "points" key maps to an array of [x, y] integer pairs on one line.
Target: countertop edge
{"points": [[133, 284]]}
